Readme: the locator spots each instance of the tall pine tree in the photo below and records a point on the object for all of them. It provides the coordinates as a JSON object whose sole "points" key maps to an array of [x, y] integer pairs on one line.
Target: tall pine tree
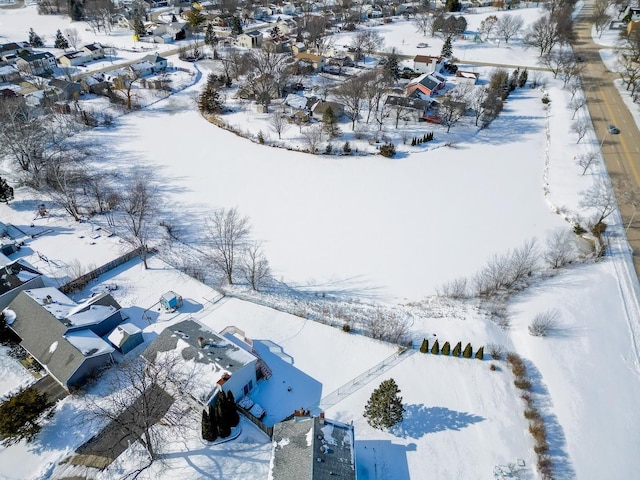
{"points": [[34, 39], [232, 411], [6, 191], [447, 49], [61, 41], [384, 408]]}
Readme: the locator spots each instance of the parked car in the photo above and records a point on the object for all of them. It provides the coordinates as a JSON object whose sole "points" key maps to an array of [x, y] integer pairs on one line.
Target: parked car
{"points": [[613, 129]]}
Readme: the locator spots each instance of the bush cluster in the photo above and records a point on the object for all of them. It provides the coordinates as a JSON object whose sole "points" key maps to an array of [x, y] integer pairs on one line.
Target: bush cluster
{"points": [[446, 349], [388, 150], [537, 426]]}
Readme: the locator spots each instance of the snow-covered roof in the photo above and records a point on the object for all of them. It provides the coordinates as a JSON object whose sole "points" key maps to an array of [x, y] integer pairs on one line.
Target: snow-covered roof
{"points": [[296, 101], [90, 316], [88, 343], [52, 300], [123, 331]]}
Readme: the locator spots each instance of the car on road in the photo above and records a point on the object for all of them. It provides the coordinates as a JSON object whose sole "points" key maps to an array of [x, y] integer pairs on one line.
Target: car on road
{"points": [[613, 129]]}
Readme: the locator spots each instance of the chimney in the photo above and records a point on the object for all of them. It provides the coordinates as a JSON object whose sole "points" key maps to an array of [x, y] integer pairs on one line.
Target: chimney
{"points": [[321, 418], [201, 343], [47, 300]]}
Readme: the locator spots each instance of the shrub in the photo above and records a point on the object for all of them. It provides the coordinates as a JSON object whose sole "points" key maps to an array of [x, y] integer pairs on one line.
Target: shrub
{"points": [[544, 465], [538, 431], [513, 358], [480, 353], [546, 99], [544, 323], [436, 348], [388, 150], [531, 413], [522, 383], [328, 149], [493, 367], [468, 351], [519, 370], [457, 349], [495, 351], [446, 348], [424, 347], [346, 148], [578, 229], [346, 327], [20, 415], [261, 137], [528, 399], [541, 448]]}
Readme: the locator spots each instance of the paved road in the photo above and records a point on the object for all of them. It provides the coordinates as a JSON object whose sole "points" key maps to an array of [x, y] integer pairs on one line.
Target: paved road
{"points": [[621, 152]]}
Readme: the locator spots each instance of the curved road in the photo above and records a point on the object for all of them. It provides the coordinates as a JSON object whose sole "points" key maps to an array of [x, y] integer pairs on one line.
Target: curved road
{"points": [[621, 152]]}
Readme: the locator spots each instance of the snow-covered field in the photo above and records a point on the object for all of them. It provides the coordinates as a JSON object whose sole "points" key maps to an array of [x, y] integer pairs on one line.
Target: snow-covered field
{"points": [[394, 229]]}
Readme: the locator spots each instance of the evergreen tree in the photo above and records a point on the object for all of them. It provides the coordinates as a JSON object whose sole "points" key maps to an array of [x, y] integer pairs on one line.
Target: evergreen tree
{"points": [[452, 6], [346, 148], [20, 415], [447, 49], [232, 411], [480, 353], [213, 421], [61, 41], [329, 122], [384, 408], [210, 36], [457, 349], [522, 79], [138, 27], [392, 67], [208, 432], [34, 39], [236, 26], [76, 10], [224, 425], [446, 348], [6, 191], [424, 346], [468, 351], [436, 347], [209, 101]]}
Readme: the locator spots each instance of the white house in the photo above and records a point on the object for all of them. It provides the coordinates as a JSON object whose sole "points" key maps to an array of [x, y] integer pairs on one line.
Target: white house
{"points": [[37, 63], [427, 63]]}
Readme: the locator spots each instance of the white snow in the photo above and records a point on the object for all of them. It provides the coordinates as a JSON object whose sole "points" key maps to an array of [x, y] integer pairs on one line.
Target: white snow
{"points": [[53, 347], [88, 343]]}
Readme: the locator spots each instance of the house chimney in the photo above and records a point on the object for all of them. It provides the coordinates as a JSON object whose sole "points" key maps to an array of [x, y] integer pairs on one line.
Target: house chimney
{"points": [[47, 300], [321, 418], [201, 342]]}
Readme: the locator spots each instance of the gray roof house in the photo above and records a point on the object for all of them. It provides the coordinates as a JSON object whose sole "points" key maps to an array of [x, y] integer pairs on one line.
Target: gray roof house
{"points": [[63, 336], [215, 362], [15, 277], [313, 449], [37, 63]]}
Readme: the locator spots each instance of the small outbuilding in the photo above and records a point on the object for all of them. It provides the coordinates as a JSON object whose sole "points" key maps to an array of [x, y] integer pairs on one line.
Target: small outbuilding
{"points": [[125, 337], [171, 301]]}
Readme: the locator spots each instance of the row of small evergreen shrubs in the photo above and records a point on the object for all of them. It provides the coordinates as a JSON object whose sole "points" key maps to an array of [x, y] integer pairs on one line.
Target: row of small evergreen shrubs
{"points": [[537, 426], [218, 419], [427, 137], [446, 349]]}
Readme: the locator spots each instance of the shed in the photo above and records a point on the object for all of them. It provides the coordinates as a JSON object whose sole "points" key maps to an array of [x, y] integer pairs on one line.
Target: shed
{"points": [[171, 301]]}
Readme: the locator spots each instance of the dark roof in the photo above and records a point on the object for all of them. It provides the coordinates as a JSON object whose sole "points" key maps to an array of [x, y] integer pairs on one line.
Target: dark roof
{"points": [[42, 336], [428, 81], [93, 46], [426, 58], [15, 274], [216, 350], [331, 454], [153, 58], [408, 102], [37, 56]]}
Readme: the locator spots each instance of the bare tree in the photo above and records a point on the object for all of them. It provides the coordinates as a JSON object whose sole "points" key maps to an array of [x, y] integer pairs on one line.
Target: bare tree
{"points": [[66, 182], [560, 249], [227, 236], [629, 70], [544, 323], [543, 34], [453, 106], [599, 198], [279, 123], [509, 26], [580, 128], [423, 23], [73, 37], [386, 325], [124, 86], [366, 42], [586, 160], [599, 16], [576, 104], [141, 393], [140, 204], [255, 266], [488, 26], [313, 137], [351, 94]]}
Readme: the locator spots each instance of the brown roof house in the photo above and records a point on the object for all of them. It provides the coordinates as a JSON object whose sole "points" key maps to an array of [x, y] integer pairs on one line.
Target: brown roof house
{"points": [[63, 336], [313, 449], [428, 63], [427, 84]]}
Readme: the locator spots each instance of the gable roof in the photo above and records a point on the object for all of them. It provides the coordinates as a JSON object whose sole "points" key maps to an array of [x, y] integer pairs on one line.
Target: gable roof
{"points": [[407, 102], [313, 449], [92, 47], [153, 58], [47, 339], [427, 80], [426, 59], [15, 274]]}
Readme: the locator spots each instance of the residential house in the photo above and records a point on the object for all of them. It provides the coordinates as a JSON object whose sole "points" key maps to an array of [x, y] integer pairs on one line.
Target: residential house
{"points": [[37, 63], [277, 43], [94, 50], [287, 26], [158, 62], [313, 449], [297, 102], [406, 108], [125, 337], [9, 52], [317, 62], [172, 31], [217, 362], [427, 63], [72, 59], [140, 69], [63, 336], [251, 39], [464, 77], [9, 73], [15, 277], [68, 90], [318, 109], [426, 84], [94, 84]]}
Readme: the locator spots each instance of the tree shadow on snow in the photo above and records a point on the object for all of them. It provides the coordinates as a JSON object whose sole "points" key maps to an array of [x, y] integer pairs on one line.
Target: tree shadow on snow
{"points": [[420, 420]]}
